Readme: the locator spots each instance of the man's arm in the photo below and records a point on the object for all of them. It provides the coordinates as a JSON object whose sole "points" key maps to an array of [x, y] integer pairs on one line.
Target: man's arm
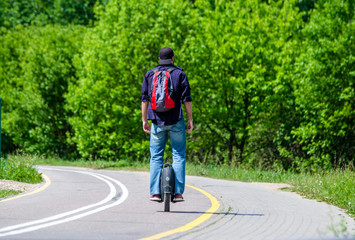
{"points": [[188, 108], [146, 126]]}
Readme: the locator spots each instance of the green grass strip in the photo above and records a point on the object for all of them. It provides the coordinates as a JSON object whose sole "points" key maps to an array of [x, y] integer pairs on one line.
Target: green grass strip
{"points": [[8, 192]]}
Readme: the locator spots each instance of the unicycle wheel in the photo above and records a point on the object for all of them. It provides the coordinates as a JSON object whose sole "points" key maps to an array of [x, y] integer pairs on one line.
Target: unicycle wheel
{"points": [[167, 198]]}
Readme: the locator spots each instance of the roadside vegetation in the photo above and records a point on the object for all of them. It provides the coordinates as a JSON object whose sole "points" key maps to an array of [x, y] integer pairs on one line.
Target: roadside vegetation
{"points": [[4, 193], [333, 187], [272, 86], [19, 168], [272, 81]]}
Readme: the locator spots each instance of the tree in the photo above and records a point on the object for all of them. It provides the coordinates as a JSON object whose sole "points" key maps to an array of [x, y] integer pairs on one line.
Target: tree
{"points": [[116, 54], [41, 13], [36, 69], [325, 94], [235, 54]]}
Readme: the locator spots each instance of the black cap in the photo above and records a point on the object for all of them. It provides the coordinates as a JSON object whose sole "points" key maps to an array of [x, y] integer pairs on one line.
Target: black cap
{"points": [[166, 54]]}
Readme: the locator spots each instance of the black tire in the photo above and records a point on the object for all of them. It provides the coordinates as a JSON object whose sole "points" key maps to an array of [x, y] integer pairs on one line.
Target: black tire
{"points": [[166, 202]]}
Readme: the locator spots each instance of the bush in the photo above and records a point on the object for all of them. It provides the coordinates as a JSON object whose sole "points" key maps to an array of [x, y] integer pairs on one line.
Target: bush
{"points": [[325, 90], [40, 13], [36, 69], [19, 168]]}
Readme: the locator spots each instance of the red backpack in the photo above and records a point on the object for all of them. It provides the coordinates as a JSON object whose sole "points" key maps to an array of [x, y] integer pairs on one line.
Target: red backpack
{"points": [[162, 94]]}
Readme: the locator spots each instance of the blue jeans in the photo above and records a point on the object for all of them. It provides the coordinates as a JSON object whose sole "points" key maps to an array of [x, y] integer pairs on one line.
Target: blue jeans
{"points": [[158, 138]]}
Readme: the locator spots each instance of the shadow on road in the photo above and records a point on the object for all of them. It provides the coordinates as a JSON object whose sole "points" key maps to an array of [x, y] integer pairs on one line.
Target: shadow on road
{"points": [[221, 213]]}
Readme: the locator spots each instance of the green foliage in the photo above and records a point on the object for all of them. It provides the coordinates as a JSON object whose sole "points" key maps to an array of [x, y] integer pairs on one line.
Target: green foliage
{"points": [[19, 168], [36, 67], [7, 193], [235, 57], [116, 54], [272, 81], [39, 12], [325, 88]]}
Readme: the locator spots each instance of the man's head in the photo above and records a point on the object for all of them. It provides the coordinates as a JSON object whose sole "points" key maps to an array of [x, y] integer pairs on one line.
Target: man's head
{"points": [[166, 56]]}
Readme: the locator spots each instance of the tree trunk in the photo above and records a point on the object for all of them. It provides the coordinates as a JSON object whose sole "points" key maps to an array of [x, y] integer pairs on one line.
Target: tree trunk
{"points": [[245, 125], [231, 145]]}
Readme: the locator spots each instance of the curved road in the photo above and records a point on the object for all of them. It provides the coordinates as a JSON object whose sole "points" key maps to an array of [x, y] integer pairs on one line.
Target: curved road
{"points": [[100, 204]]}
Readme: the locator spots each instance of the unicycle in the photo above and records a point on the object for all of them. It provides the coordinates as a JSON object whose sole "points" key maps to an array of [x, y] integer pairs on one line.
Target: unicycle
{"points": [[167, 185]]}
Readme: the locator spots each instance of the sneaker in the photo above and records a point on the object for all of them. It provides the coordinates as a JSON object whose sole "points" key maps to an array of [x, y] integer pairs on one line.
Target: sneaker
{"points": [[178, 197], [155, 197]]}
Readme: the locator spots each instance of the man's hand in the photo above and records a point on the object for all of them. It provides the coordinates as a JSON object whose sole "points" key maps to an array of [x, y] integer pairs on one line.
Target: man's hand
{"points": [[188, 108], [190, 126], [146, 127]]}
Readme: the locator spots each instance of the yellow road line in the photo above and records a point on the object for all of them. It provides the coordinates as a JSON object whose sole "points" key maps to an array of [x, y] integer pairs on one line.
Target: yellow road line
{"points": [[214, 207], [46, 179]]}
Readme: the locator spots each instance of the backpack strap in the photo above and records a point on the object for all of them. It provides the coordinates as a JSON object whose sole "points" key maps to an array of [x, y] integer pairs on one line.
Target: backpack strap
{"points": [[169, 70], [156, 69]]}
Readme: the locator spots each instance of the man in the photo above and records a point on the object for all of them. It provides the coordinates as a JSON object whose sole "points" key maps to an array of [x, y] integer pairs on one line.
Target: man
{"points": [[169, 123]]}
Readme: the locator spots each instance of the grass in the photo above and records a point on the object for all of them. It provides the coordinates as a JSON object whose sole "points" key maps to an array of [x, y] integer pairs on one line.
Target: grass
{"points": [[97, 164], [19, 168], [8, 192], [334, 187]]}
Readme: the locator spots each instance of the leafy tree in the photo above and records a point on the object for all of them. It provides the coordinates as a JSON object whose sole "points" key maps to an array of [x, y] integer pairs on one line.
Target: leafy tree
{"points": [[234, 58], [306, 6], [272, 81], [36, 68], [116, 55], [272, 142], [40, 12], [325, 93]]}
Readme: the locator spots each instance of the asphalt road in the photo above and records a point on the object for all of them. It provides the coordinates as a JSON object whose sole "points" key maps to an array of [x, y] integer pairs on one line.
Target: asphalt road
{"points": [[101, 204]]}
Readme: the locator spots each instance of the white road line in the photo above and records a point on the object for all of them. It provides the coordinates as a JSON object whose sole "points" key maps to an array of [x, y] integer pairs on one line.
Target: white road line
{"points": [[47, 222], [55, 217]]}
